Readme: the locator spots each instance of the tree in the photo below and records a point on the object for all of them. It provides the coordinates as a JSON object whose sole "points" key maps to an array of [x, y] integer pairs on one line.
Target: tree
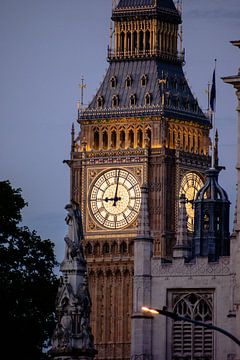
{"points": [[28, 284]]}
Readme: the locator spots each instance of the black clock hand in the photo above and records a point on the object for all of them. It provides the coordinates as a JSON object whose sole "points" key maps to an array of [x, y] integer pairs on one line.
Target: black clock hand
{"points": [[115, 196]]}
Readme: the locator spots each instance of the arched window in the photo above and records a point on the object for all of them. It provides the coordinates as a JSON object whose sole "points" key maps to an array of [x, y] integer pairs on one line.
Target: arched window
{"points": [[115, 101], [105, 140], [148, 99], [100, 101], [122, 139], [89, 249], [123, 248], [140, 138], [113, 139], [122, 41], [135, 41], [147, 40], [129, 42], [96, 140], [192, 341], [96, 249], [106, 248], [149, 137], [128, 81], [131, 138], [133, 100], [113, 81], [114, 248], [144, 80], [206, 221], [141, 41]]}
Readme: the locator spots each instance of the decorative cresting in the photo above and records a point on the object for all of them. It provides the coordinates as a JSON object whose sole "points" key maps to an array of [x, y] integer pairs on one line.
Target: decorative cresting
{"points": [[182, 247], [192, 341], [72, 338], [211, 233]]}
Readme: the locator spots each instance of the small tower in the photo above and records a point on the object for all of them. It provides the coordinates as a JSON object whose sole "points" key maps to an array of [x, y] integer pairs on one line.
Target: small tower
{"points": [[72, 338], [182, 247], [211, 232]]}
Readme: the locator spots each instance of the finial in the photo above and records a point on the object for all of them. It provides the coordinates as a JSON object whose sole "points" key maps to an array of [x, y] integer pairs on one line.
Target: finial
{"points": [[216, 159], [82, 87], [162, 82], [73, 138]]}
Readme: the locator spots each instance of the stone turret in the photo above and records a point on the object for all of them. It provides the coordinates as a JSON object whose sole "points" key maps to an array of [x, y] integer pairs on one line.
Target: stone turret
{"points": [[211, 226], [72, 338]]}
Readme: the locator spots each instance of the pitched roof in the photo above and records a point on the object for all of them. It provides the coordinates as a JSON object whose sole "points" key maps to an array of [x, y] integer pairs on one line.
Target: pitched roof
{"points": [[163, 9], [168, 4], [179, 101]]}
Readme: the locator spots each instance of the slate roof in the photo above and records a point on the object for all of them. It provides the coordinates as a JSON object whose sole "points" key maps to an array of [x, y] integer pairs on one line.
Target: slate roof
{"points": [[164, 9], [179, 100]]}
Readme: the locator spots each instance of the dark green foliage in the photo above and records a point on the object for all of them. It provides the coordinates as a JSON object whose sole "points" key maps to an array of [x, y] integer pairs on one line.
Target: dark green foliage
{"points": [[27, 282]]}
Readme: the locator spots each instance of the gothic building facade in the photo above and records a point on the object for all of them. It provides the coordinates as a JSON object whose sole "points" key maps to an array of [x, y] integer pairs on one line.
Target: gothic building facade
{"points": [[143, 145]]}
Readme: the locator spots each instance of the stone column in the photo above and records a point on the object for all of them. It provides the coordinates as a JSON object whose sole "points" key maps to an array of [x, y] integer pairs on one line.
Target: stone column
{"points": [[141, 347]]}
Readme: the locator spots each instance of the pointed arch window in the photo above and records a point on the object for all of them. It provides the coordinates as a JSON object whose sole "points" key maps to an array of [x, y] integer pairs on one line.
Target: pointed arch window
{"points": [[192, 341], [113, 139], [122, 139], [123, 248], [100, 102], [141, 41], [96, 140], [105, 140], [149, 137], [140, 138], [113, 82], [115, 101], [148, 99], [128, 81], [147, 34], [144, 80], [131, 138], [122, 41], [106, 248], [133, 100]]}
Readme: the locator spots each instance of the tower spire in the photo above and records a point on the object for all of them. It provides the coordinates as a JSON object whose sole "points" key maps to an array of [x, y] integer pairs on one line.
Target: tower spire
{"points": [[182, 248]]}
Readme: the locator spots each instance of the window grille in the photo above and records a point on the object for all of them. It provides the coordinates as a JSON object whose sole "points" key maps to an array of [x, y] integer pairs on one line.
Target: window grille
{"points": [[190, 341]]}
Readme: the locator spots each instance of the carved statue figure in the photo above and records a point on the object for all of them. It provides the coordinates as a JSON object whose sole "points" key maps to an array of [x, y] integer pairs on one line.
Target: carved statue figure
{"points": [[75, 231]]}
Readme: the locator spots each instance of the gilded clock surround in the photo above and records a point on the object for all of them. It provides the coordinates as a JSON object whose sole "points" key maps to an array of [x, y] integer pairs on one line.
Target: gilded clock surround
{"points": [[115, 199]]}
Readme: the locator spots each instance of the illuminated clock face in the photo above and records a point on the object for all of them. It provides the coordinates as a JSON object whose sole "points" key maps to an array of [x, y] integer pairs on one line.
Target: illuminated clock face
{"points": [[190, 185], [115, 199]]}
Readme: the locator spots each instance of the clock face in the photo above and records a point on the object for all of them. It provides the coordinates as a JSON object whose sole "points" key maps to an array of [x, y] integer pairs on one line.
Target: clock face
{"points": [[115, 199], [190, 185]]}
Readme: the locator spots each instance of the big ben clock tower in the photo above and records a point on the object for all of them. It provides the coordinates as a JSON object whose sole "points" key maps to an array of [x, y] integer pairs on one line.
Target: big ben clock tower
{"points": [[143, 127]]}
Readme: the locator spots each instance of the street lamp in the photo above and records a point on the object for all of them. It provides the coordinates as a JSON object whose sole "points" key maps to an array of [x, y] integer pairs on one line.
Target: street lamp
{"points": [[177, 317]]}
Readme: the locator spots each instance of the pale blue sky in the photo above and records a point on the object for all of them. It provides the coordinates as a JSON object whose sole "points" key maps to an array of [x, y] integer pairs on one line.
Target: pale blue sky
{"points": [[46, 45]]}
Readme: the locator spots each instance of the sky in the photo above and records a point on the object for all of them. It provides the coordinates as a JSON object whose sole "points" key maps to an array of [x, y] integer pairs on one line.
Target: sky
{"points": [[46, 47]]}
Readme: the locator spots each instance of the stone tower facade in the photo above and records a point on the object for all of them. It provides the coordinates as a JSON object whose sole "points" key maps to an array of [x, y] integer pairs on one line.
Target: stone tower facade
{"points": [[143, 127]]}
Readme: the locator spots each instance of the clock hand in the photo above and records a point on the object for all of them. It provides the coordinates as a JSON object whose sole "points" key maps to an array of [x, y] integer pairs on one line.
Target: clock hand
{"points": [[115, 196], [112, 199]]}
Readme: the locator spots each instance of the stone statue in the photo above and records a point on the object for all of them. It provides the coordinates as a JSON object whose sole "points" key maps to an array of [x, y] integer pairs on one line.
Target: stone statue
{"points": [[75, 232]]}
